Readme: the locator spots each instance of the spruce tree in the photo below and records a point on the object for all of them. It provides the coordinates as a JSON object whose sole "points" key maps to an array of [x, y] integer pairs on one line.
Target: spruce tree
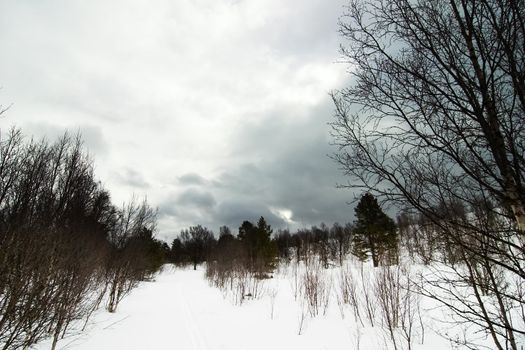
{"points": [[375, 233], [259, 246]]}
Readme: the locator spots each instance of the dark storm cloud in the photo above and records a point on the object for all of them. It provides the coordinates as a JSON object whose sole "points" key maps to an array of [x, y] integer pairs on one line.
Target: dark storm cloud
{"points": [[191, 207], [196, 198], [282, 166], [233, 213], [290, 169]]}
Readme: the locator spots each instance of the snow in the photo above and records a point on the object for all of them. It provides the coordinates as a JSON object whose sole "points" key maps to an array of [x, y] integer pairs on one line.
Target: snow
{"points": [[180, 310]]}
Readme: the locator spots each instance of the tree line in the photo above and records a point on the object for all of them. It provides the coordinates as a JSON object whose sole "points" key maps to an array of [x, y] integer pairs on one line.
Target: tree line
{"points": [[373, 235], [65, 248]]}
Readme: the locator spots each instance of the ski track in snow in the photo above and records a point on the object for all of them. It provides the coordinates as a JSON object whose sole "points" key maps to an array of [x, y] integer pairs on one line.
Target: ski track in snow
{"points": [[181, 311], [157, 315], [198, 339]]}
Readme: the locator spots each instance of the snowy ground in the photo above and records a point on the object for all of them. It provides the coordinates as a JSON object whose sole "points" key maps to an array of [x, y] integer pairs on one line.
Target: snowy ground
{"points": [[179, 310]]}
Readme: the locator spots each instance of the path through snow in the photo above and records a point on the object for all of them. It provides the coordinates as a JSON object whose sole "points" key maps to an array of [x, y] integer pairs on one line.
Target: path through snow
{"points": [[179, 310]]}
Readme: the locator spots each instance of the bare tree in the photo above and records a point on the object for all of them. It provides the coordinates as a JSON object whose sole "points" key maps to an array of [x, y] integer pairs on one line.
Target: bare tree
{"points": [[197, 242], [341, 241], [126, 266], [436, 117], [59, 234], [316, 287]]}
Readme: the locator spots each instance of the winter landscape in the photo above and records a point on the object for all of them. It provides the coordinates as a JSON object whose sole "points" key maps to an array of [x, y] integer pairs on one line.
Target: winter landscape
{"points": [[262, 174], [180, 306]]}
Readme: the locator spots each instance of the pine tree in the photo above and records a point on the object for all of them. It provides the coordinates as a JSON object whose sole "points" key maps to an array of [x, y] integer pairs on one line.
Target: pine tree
{"points": [[257, 241], [267, 247], [375, 233]]}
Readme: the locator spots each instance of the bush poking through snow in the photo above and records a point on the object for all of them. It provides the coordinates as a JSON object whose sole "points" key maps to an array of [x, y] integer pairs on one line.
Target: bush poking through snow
{"points": [[315, 288]]}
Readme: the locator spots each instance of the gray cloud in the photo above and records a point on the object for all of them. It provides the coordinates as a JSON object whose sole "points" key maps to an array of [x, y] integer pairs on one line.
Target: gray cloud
{"points": [[94, 139], [92, 136], [210, 141], [309, 32], [293, 170], [190, 207], [283, 168], [168, 208], [196, 198], [233, 212], [191, 179], [132, 178]]}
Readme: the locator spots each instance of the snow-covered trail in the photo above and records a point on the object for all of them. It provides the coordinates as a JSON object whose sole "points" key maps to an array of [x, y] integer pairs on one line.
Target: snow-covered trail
{"points": [[165, 314], [156, 315], [179, 310]]}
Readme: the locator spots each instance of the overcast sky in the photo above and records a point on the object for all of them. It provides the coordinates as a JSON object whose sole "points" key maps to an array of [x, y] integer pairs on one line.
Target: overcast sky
{"points": [[217, 110]]}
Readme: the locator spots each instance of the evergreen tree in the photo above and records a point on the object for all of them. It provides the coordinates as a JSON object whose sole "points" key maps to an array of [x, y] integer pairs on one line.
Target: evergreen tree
{"points": [[261, 250], [375, 233], [177, 253], [267, 249]]}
